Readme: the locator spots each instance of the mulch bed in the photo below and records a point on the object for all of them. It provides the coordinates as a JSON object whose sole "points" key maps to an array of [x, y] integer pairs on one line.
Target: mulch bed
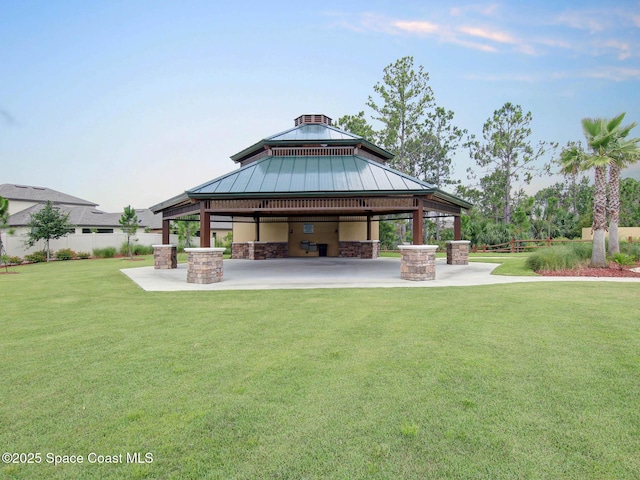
{"points": [[613, 270]]}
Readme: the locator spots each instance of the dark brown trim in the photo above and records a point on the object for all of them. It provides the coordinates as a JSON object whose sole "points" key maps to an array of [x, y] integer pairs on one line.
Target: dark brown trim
{"points": [[205, 226], [418, 222], [457, 228]]}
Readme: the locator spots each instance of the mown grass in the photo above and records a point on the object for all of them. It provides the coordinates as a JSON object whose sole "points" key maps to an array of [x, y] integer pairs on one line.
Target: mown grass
{"points": [[506, 381]]}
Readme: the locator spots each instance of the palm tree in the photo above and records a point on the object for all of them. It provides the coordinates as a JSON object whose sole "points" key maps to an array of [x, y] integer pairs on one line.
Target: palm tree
{"points": [[622, 154], [604, 142]]}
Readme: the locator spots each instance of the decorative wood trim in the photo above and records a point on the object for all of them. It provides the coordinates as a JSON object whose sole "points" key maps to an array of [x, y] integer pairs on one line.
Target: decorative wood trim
{"points": [[306, 206]]}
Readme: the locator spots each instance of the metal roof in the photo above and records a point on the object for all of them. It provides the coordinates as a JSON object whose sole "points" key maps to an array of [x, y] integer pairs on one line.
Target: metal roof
{"points": [[315, 133], [311, 175]]}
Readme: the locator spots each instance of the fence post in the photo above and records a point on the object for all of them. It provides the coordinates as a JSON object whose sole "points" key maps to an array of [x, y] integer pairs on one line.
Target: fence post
{"points": [[484, 248], [513, 244], [548, 241]]}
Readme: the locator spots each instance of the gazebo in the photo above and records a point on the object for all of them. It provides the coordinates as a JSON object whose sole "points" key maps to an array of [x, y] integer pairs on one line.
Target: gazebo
{"points": [[313, 190]]}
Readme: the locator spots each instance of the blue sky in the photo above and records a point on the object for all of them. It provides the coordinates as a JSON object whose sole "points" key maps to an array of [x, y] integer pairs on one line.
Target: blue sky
{"points": [[133, 102]]}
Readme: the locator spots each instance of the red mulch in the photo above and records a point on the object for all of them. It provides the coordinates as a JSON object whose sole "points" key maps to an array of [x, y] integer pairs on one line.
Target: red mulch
{"points": [[613, 270]]}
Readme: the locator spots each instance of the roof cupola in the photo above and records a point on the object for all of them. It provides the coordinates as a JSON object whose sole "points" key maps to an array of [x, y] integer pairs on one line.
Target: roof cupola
{"points": [[313, 119]]}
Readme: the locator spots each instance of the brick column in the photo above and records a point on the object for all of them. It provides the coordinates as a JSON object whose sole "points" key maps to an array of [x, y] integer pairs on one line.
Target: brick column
{"points": [[165, 257], [240, 250], [458, 252], [205, 265], [418, 262], [369, 249]]}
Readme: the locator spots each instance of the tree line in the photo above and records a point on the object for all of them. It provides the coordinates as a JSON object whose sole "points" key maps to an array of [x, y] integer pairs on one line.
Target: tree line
{"points": [[424, 139]]}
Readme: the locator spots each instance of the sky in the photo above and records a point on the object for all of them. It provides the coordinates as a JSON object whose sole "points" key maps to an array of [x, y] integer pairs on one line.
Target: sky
{"points": [[133, 102]]}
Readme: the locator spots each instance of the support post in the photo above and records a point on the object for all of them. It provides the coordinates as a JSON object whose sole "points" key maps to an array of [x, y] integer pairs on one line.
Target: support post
{"points": [[418, 222], [457, 227], [205, 227], [165, 231], [257, 219], [368, 227]]}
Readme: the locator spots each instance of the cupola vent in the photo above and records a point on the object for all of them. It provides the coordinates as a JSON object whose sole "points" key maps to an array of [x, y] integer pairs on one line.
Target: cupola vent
{"points": [[313, 119]]}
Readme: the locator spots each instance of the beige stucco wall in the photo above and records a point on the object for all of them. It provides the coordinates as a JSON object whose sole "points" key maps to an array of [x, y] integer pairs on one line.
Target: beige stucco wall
{"points": [[357, 231], [274, 232], [623, 233], [244, 232], [269, 232], [323, 232]]}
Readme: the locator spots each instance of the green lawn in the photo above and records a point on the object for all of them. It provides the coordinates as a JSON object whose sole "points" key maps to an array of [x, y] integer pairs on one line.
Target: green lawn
{"points": [[536, 380]]}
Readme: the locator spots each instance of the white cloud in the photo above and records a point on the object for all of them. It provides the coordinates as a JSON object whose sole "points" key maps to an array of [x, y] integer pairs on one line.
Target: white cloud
{"points": [[416, 26], [496, 36], [623, 48], [583, 20]]}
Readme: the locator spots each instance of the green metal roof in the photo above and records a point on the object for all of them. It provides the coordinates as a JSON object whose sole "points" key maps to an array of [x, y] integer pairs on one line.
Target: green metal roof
{"points": [[311, 175], [315, 133]]}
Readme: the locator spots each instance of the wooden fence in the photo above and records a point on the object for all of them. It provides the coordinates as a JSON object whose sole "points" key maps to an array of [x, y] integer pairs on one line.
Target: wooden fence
{"points": [[516, 246]]}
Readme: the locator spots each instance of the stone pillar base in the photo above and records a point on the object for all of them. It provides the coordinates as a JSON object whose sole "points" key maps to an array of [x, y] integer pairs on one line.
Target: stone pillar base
{"points": [[418, 262], [369, 249], [458, 252], [205, 265], [165, 257]]}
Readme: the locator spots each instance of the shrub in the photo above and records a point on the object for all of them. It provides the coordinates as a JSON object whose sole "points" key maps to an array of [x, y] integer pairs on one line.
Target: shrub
{"points": [[623, 260], [559, 257], [10, 260], [631, 249], [65, 254], [36, 257], [143, 250], [83, 255], [107, 252], [136, 249]]}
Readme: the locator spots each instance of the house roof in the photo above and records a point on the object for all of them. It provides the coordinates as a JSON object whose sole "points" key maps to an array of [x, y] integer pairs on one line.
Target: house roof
{"points": [[88, 217], [302, 175], [80, 216], [29, 193]]}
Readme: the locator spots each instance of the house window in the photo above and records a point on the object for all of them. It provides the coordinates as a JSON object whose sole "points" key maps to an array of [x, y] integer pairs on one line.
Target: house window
{"points": [[97, 230]]}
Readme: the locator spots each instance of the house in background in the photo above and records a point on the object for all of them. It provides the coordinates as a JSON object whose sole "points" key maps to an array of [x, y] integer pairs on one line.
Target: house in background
{"points": [[94, 228]]}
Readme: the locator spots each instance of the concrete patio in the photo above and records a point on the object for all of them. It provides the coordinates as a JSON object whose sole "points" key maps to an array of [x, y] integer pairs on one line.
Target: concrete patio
{"points": [[327, 272]]}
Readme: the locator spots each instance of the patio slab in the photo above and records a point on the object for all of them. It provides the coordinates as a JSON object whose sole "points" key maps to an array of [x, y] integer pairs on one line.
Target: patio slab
{"points": [[327, 272]]}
